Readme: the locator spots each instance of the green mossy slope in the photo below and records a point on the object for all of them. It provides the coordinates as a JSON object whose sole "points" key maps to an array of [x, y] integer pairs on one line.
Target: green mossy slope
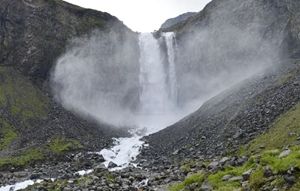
{"points": [[284, 132], [20, 97], [263, 153]]}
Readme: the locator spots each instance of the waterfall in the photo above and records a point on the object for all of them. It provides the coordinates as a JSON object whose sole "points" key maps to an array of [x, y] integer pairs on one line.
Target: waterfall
{"points": [[154, 94], [158, 98], [158, 95], [172, 82]]}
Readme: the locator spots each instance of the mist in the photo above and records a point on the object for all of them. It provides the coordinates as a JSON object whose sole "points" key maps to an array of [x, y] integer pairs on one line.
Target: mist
{"points": [[99, 76], [220, 52]]}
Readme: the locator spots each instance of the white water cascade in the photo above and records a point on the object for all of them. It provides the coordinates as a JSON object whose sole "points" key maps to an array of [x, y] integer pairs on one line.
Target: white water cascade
{"points": [[158, 98], [154, 94], [172, 79], [156, 106]]}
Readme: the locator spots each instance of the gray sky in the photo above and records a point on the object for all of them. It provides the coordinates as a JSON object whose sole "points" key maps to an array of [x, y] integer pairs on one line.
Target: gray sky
{"points": [[143, 15]]}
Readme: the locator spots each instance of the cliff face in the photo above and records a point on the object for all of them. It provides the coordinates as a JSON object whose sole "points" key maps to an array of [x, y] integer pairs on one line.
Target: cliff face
{"points": [[33, 34], [225, 44], [174, 21]]}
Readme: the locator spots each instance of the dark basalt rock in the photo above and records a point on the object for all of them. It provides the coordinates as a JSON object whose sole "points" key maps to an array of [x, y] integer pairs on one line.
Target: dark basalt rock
{"points": [[112, 165], [177, 20], [34, 33]]}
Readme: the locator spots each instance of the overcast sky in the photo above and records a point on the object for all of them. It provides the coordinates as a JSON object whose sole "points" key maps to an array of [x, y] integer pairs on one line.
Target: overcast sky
{"points": [[143, 15]]}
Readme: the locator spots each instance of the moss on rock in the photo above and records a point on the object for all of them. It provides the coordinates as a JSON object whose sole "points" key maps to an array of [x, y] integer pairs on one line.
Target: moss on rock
{"points": [[197, 178], [22, 99], [26, 158], [285, 131], [7, 134], [63, 145]]}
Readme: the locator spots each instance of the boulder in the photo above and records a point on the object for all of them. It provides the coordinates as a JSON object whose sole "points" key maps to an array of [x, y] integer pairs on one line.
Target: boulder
{"points": [[285, 153], [112, 165], [246, 175]]}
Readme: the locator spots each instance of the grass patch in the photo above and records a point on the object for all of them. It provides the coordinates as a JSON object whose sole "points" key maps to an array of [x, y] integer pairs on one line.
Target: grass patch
{"points": [[23, 100], [287, 77], [7, 134], [63, 145], [187, 165], [84, 181], [110, 177], [257, 179], [216, 179], [284, 132], [195, 178], [26, 158], [281, 165], [264, 152]]}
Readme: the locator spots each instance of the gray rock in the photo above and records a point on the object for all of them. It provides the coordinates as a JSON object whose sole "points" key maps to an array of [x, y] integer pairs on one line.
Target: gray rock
{"points": [[213, 165], [245, 186], [285, 153], [268, 171], [175, 152], [206, 187], [173, 21], [246, 175], [100, 168], [290, 179], [224, 160], [35, 176], [19, 174], [112, 165], [236, 179], [226, 177]]}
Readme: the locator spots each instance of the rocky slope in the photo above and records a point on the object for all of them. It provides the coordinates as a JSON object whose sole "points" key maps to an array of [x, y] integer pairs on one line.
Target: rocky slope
{"points": [[248, 109], [33, 34], [230, 119], [174, 21]]}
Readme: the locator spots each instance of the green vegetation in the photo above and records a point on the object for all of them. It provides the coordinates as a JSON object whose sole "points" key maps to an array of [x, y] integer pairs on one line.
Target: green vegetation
{"points": [[110, 177], [264, 151], [84, 181], [28, 157], [257, 164], [286, 78], [216, 179], [195, 178], [20, 97], [7, 134], [186, 166], [62, 145], [284, 132], [257, 178], [281, 165]]}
